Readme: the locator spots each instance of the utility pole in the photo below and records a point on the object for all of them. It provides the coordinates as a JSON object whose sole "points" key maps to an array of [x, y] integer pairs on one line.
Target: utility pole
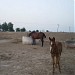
{"points": [[57, 27], [69, 28]]}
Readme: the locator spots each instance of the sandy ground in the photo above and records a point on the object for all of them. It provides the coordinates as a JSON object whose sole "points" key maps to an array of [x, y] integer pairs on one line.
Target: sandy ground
{"points": [[19, 59]]}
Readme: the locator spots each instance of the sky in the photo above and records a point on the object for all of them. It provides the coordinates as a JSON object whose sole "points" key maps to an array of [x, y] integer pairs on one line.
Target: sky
{"points": [[39, 14], [74, 15]]}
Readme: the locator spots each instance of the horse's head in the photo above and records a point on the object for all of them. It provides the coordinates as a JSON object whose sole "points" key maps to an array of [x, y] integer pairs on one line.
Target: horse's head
{"points": [[52, 41], [29, 34]]}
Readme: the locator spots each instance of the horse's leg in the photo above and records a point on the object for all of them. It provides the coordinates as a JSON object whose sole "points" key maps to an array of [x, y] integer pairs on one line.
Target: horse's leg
{"points": [[59, 64], [56, 61], [42, 41], [53, 64], [34, 42]]}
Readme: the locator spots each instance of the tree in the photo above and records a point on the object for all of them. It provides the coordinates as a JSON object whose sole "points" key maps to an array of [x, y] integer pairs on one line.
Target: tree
{"points": [[10, 27], [29, 30], [18, 29], [37, 30], [0, 27], [4, 26], [23, 30], [47, 30]]}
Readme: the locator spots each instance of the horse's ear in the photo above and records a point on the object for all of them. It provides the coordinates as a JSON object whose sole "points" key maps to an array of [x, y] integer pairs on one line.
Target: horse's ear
{"points": [[54, 38], [49, 38]]}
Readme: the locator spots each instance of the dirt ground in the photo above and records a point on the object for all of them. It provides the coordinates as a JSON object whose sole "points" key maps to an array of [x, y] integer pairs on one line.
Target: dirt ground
{"points": [[19, 59]]}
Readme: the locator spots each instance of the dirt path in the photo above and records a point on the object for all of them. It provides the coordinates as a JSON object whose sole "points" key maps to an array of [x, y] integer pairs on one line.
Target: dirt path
{"points": [[4, 41]]}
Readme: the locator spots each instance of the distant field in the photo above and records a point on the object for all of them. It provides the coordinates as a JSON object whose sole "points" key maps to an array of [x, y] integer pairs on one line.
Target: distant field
{"points": [[58, 35]]}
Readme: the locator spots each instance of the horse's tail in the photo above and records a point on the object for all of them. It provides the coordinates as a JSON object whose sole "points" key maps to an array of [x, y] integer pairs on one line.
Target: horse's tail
{"points": [[44, 35], [29, 34]]}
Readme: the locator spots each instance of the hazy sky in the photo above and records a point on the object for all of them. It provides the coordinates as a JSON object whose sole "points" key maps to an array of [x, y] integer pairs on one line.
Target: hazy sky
{"points": [[39, 14], [74, 15]]}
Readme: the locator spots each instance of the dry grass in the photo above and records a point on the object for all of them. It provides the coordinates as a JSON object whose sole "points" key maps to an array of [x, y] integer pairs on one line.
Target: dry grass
{"points": [[19, 59]]}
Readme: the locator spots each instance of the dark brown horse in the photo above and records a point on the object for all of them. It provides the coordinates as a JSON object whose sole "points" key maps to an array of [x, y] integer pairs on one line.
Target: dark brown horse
{"points": [[55, 50], [37, 35]]}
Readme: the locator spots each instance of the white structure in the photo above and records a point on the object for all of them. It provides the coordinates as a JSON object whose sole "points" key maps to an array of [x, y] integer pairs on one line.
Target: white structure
{"points": [[27, 40]]}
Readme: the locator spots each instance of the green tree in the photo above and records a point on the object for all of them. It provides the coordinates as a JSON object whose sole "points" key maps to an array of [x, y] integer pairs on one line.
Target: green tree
{"points": [[47, 30], [37, 30], [29, 30], [23, 30], [10, 27], [18, 29], [4, 26], [0, 27]]}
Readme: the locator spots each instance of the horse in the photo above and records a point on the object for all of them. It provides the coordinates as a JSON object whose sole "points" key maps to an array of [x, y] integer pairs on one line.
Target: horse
{"points": [[55, 50], [37, 35]]}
